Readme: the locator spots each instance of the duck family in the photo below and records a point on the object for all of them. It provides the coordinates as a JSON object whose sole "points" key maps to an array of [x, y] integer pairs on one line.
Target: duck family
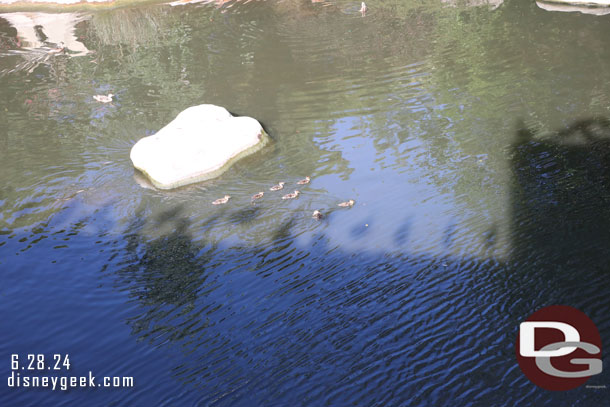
{"points": [[317, 214]]}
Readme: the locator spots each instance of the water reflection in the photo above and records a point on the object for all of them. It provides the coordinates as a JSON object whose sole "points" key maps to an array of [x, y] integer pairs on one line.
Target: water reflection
{"points": [[391, 114], [492, 4], [35, 39], [571, 8], [291, 313], [38, 30], [412, 296], [270, 322]]}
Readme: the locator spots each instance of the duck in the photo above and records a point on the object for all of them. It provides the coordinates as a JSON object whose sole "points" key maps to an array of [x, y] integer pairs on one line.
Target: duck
{"points": [[363, 8], [221, 201], [277, 187], [347, 204], [317, 214], [295, 194], [304, 181], [257, 196], [104, 98]]}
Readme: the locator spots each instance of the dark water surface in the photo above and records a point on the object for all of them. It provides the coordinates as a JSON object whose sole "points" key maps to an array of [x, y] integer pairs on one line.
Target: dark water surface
{"points": [[476, 144]]}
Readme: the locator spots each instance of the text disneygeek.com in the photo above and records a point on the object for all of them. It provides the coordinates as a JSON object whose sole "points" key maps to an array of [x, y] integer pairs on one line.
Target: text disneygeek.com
{"points": [[27, 372]]}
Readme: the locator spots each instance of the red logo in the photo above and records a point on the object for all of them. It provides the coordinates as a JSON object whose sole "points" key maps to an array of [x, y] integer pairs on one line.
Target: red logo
{"points": [[559, 348]]}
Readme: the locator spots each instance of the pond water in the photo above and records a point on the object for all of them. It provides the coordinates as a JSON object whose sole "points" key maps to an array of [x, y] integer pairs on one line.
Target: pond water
{"points": [[474, 140]]}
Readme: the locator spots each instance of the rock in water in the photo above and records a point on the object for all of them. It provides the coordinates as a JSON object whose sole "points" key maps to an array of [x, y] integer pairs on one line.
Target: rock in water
{"points": [[199, 144]]}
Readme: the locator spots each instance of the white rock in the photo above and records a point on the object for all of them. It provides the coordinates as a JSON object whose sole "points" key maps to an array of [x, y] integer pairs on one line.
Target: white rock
{"points": [[200, 143]]}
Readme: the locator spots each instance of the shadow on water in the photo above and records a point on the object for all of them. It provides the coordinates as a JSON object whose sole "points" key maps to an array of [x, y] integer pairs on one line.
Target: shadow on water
{"points": [[561, 218], [562, 196], [245, 215], [289, 321], [561, 225]]}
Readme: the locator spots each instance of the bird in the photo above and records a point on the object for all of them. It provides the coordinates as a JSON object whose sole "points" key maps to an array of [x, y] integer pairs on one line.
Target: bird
{"points": [[277, 187], [304, 181], [104, 98], [347, 204], [317, 214], [291, 196], [257, 196], [221, 201], [363, 8]]}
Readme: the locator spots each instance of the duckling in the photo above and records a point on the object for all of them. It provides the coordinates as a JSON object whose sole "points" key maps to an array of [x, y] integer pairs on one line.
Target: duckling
{"points": [[347, 204], [277, 187], [104, 98], [317, 215], [291, 196], [363, 8], [257, 196], [221, 201], [304, 181]]}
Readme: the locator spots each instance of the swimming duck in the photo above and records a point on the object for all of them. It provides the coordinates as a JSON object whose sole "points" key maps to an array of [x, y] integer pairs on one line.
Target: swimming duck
{"points": [[221, 201], [277, 187], [104, 98], [347, 204], [363, 8], [257, 196], [291, 196], [317, 214], [304, 181]]}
